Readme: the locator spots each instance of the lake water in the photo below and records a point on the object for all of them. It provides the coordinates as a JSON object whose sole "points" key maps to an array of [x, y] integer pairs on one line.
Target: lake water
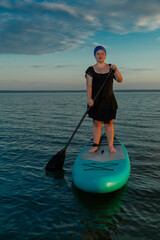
{"points": [[37, 205]]}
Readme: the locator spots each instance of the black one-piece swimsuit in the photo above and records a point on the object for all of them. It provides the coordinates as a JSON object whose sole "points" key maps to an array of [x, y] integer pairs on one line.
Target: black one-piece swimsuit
{"points": [[105, 106]]}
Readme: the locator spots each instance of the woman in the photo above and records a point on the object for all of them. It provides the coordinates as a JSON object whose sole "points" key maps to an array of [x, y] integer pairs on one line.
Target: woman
{"points": [[103, 110]]}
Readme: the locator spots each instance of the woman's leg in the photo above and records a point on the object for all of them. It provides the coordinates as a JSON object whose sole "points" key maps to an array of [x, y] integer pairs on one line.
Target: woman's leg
{"points": [[97, 125], [109, 130]]}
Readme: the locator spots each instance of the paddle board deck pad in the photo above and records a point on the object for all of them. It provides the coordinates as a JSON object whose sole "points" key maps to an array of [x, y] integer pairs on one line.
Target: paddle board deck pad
{"points": [[102, 171]]}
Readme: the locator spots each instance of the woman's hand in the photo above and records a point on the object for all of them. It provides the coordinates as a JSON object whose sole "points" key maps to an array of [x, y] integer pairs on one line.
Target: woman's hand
{"points": [[117, 74], [90, 102], [114, 67]]}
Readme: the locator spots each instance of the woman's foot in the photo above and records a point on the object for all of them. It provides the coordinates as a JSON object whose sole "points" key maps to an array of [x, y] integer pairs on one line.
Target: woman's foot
{"points": [[112, 150], [94, 149]]}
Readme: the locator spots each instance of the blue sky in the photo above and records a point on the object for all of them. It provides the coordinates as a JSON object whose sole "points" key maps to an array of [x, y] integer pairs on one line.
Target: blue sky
{"points": [[47, 45]]}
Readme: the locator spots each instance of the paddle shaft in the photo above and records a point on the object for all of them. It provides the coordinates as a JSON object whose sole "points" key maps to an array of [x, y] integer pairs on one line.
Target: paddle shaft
{"points": [[104, 83]]}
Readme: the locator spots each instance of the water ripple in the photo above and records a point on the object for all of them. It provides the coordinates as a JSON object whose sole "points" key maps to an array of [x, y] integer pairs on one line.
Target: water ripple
{"points": [[39, 205]]}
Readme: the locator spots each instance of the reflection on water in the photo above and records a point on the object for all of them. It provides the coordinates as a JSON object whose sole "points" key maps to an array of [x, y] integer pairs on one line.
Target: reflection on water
{"points": [[100, 213], [56, 174]]}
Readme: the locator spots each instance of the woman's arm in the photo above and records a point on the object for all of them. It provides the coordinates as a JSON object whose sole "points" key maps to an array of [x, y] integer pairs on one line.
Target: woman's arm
{"points": [[89, 90], [117, 75]]}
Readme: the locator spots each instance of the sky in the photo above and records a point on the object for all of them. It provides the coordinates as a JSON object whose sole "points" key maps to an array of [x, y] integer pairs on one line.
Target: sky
{"points": [[48, 45]]}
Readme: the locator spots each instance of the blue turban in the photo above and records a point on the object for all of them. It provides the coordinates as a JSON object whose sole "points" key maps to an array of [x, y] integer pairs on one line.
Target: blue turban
{"points": [[99, 48]]}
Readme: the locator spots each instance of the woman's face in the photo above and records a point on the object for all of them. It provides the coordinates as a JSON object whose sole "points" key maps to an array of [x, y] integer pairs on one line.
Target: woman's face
{"points": [[100, 56]]}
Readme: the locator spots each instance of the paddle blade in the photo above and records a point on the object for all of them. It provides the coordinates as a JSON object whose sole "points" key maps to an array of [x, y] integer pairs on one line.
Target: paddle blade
{"points": [[56, 162]]}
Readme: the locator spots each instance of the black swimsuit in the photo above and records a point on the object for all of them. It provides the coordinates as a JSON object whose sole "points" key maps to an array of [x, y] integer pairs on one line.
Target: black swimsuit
{"points": [[105, 106]]}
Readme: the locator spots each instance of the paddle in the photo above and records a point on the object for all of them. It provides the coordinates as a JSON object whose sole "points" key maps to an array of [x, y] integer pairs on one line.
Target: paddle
{"points": [[57, 161]]}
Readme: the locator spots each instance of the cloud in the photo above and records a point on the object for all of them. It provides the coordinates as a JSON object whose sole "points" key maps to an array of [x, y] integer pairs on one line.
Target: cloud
{"points": [[126, 69], [64, 66], [44, 27], [38, 66], [53, 66]]}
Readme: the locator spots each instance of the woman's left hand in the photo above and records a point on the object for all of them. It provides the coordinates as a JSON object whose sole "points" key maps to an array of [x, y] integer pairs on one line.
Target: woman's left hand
{"points": [[117, 74], [113, 67]]}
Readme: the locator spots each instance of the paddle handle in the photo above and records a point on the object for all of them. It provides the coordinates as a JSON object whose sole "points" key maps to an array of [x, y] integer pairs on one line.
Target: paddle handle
{"points": [[104, 83]]}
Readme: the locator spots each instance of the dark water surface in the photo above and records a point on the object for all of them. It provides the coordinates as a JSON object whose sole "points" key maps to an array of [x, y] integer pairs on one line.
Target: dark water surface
{"points": [[38, 205]]}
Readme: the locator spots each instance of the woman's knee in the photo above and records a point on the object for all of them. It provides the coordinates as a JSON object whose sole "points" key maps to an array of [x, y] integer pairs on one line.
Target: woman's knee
{"points": [[109, 123], [97, 124]]}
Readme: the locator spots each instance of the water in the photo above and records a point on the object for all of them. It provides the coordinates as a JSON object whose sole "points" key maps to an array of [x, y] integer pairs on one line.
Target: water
{"points": [[37, 205]]}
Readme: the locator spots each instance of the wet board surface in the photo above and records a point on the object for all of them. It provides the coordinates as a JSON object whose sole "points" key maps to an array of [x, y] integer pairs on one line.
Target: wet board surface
{"points": [[102, 171]]}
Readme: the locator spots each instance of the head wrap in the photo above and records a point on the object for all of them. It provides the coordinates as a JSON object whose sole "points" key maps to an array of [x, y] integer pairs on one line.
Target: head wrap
{"points": [[99, 48]]}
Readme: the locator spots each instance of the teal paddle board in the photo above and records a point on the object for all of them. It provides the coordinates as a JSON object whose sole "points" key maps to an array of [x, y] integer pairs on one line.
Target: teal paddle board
{"points": [[102, 171]]}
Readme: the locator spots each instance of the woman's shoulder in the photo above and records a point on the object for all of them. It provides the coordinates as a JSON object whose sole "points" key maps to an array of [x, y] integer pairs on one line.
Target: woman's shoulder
{"points": [[90, 71], [90, 68]]}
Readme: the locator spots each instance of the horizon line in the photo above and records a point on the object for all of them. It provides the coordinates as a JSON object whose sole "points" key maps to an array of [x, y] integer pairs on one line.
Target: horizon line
{"points": [[42, 91]]}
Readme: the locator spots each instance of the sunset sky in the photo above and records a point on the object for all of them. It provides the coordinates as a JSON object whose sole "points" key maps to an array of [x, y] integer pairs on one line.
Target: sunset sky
{"points": [[48, 45]]}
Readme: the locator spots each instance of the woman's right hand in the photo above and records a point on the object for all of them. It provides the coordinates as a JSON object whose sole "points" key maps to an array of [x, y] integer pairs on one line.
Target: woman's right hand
{"points": [[90, 102]]}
